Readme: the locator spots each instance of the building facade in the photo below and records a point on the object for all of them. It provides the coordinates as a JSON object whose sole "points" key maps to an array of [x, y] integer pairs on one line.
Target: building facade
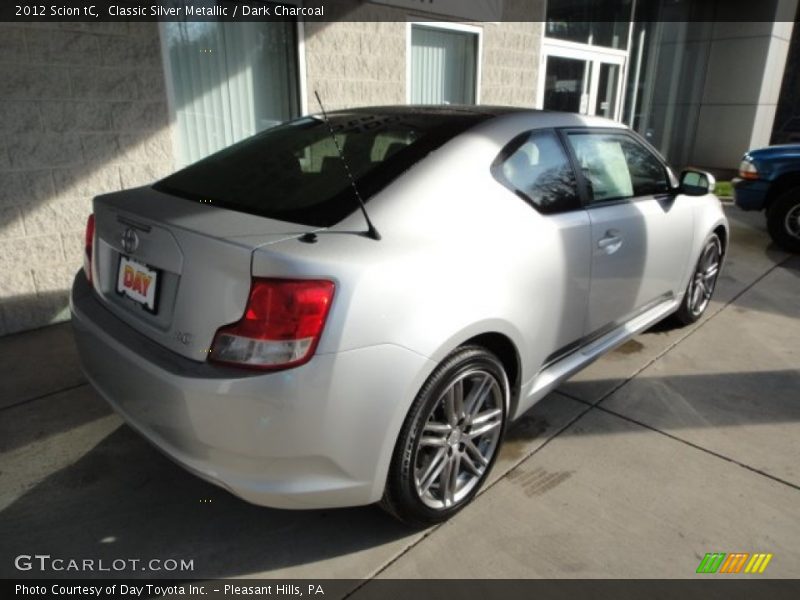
{"points": [[87, 108]]}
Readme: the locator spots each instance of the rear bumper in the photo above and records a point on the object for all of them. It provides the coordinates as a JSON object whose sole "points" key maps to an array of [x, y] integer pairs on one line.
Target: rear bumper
{"points": [[750, 195], [317, 436]]}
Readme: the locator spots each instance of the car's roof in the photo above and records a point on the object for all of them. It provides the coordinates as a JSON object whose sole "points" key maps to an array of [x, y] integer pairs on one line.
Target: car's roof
{"points": [[482, 113], [439, 109]]}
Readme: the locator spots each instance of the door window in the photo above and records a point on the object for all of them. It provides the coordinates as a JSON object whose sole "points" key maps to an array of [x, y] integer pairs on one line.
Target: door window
{"points": [[535, 167], [616, 167], [581, 81]]}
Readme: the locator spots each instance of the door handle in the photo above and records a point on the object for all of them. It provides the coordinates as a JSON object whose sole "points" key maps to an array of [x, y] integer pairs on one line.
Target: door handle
{"points": [[610, 242]]}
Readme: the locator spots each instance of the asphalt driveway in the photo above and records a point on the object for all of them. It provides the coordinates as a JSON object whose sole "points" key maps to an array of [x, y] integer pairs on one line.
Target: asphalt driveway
{"points": [[681, 442]]}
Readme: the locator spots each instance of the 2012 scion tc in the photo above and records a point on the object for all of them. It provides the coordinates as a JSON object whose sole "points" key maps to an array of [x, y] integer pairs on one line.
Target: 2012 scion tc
{"points": [[245, 317]]}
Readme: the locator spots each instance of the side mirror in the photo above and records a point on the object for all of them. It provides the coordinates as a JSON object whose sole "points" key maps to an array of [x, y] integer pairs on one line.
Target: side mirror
{"points": [[696, 183]]}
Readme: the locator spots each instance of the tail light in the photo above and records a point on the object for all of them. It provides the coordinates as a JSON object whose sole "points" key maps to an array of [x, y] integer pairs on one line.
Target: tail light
{"points": [[281, 325], [88, 248]]}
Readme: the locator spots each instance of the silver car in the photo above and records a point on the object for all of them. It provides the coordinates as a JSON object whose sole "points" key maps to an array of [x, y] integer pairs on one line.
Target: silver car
{"points": [[350, 310]]}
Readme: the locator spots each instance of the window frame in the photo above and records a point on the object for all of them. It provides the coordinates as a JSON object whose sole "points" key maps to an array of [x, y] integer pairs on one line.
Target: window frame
{"points": [[583, 184], [515, 144], [451, 27]]}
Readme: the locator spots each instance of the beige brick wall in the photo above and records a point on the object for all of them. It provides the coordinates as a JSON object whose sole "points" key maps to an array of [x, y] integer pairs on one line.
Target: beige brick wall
{"points": [[362, 63], [82, 111], [357, 63], [511, 54]]}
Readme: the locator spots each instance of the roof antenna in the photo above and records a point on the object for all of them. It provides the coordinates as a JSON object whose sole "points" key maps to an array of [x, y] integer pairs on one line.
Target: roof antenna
{"points": [[371, 231]]}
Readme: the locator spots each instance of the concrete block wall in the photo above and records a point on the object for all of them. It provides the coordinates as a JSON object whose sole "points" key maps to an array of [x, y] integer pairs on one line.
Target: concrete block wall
{"points": [[742, 88], [363, 62], [511, 55], [509, 69], [82, 111], [355, 63]]}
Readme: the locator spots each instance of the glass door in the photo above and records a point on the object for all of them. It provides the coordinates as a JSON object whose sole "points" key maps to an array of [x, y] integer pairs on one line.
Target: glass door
{"points": [[581, 80], [606, 104], [567, 84]]}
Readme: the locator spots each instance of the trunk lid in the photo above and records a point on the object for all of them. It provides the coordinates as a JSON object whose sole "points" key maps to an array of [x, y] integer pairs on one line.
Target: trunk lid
{"points": [[196, 256]]}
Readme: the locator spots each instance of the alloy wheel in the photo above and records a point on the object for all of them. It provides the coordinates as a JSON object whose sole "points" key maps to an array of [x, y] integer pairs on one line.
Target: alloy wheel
{"points": [[459, 439], [705, 277]]}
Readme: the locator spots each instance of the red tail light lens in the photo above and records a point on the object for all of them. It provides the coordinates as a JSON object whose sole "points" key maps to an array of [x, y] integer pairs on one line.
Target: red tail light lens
{"points": [[89, 248], [281, 325]]}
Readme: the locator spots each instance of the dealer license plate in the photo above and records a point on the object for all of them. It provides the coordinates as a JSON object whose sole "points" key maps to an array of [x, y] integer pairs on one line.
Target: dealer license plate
{"points": [[138, 282]]}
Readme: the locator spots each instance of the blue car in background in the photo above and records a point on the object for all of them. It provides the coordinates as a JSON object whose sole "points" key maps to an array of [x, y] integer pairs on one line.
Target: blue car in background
{"points": [[769, 180]]}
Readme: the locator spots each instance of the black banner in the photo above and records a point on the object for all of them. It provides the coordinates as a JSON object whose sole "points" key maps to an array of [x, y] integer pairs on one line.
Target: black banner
{"points": [[165, 10], [712, 588], [53, 11]]}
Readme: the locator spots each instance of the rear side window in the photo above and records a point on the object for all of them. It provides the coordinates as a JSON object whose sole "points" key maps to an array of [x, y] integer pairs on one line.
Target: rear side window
{"points": [[294, 173], [535, 167], [617, 167]]}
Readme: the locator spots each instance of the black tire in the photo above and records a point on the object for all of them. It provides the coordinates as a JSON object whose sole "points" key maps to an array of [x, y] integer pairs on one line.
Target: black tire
{"points": [[402, 499], [783, 228], [689, 312]]}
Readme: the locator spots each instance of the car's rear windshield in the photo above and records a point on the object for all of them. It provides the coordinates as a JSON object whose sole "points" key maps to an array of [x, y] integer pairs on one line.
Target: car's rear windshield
{"points": [[293, 172]]}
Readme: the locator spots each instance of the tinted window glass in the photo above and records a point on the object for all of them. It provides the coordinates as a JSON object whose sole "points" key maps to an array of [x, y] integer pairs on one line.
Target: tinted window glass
{"points": [[293, 172], [600, 22], [536, 167], [617, 167], [647, 172]]}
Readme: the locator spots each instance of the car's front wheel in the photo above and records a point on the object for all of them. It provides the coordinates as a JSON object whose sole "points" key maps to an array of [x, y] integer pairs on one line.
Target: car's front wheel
{"points": [[450, 438], [783, 220], [702, 283]]}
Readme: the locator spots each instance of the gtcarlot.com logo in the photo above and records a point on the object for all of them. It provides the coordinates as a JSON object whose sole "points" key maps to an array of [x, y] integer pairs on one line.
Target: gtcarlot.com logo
{"points": [[45, 562], [735, 562]]}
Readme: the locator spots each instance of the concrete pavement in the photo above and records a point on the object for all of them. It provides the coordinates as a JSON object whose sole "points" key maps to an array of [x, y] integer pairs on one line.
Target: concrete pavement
{"points": [[682, 442]]}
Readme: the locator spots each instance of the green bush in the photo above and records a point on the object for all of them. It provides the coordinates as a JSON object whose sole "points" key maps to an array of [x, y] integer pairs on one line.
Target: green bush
{"points": [[724, 189]]}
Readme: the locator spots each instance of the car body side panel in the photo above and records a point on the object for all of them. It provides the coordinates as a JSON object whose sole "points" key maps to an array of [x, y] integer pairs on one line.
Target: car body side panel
{"points": [[708, 216], [750, 194], [460, 253], [639, 252]]}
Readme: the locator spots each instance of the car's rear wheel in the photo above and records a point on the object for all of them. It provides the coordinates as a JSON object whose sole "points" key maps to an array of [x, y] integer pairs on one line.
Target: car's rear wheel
{"points": [[702, 283], [450, 438], [783, 220]]}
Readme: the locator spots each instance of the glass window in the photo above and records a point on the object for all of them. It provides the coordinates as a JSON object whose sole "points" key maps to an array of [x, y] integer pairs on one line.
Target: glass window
{"points": [[566, 85], [606, 102], [536, 167], [443, 66], [229, 81], [293, 172], [599, 22], [648, 174], [666, 78], [616, 166]]}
